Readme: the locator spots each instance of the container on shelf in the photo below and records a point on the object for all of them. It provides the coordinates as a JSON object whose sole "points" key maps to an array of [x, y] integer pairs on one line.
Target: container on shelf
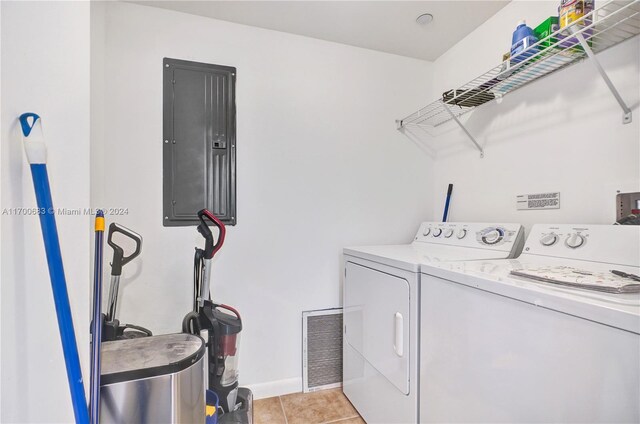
{"points": [[523, 38], [545, 29], [571, 11]]}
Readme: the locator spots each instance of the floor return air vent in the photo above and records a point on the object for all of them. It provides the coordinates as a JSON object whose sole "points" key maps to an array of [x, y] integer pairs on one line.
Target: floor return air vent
{"points": [[321, 349]]}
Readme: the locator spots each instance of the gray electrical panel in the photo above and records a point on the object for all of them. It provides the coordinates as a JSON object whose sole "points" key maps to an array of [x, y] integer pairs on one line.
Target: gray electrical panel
{"points": [[199, 142]]}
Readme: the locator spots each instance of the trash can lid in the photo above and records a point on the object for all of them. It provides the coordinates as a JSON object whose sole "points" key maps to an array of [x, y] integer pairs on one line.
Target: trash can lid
{"points": [[134, 359]]}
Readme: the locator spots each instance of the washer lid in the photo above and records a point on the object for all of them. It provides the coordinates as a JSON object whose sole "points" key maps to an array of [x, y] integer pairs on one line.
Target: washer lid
{"points": [[616, 310], [134, 359]]}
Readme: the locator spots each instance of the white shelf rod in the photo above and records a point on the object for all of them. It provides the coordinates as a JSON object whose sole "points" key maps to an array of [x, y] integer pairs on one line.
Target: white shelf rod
{"points": [[626, 117], [473, 140]]}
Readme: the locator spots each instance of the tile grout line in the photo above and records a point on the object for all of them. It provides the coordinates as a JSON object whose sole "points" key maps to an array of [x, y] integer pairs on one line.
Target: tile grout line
{"points": [[286, 421], [341, 419]]}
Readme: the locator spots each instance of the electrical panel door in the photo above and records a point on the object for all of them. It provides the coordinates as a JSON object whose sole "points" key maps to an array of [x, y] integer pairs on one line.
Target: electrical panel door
{"points": [[199, 160]]}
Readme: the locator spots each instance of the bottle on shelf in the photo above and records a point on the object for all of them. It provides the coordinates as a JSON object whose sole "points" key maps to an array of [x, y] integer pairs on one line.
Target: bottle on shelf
{"points": [[523, 38]]}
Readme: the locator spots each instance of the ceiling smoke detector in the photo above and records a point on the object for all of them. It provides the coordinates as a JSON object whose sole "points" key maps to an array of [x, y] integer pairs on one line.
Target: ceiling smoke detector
{"points": [[424, 19]]}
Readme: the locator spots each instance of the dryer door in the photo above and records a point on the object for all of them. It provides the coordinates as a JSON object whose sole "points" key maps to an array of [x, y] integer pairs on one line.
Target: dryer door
{"points": [[376, 321]]}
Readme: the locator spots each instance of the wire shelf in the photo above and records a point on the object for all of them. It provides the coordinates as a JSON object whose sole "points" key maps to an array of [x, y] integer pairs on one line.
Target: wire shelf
{"points": [[604, 27]]}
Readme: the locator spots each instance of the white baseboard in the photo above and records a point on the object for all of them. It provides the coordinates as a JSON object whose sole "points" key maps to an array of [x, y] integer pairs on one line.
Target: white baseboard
{"points": [[276, 388]]}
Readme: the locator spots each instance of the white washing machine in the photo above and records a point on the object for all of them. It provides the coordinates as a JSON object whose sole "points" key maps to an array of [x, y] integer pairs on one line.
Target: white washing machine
{"points": [[382, 310], [497, 347]]}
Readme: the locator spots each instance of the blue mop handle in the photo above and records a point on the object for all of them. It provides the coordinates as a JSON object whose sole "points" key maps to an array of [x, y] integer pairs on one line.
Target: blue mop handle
{"points": [[96, 323], [36, 154], [446, 203]]}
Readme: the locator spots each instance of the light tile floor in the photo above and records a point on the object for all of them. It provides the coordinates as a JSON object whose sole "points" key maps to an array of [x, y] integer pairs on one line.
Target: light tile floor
{"points": [[323, 407]]}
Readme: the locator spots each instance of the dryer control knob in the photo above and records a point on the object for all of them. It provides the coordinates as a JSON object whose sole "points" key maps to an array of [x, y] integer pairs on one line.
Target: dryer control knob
{"points": [[575, 240], [549, 239], [426, 231], [493, 236], [461, 233], [448, 233], [437, 232]]}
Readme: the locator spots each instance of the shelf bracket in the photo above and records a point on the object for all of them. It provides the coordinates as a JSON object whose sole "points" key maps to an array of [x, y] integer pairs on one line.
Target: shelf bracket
{"points": [[626, 112], [455, 118]]}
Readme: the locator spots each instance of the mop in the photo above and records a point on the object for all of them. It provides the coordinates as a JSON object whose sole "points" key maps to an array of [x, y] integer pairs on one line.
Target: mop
{"points": [[36, 151], [96, 323]]}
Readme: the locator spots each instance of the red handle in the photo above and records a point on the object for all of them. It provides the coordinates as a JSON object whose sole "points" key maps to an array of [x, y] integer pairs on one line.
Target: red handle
{"points": [[229, 308], [211, 248]]}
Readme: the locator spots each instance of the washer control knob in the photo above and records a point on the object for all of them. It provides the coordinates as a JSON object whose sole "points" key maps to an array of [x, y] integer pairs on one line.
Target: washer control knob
{"points": [[437, 232], [492, 236], [448, 233], [575, 240], [426, 231], [461, 233], [549, 239]]}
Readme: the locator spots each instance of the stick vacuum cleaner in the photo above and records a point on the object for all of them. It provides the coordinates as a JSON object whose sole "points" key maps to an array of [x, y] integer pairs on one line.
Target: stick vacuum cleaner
{"points": [[112, 329], [219, 325]]}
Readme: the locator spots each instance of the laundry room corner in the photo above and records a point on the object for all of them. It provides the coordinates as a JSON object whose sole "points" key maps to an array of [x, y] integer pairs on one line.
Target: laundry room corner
{"points": [[305, 127]]}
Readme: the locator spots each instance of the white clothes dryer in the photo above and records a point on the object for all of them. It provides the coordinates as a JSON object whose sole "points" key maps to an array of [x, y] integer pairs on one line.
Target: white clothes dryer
{"points": [[382, 311]]}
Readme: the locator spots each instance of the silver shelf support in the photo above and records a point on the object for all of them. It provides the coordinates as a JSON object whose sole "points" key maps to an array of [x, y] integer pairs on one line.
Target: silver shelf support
{"points": [[626, 116], [473, 140]]}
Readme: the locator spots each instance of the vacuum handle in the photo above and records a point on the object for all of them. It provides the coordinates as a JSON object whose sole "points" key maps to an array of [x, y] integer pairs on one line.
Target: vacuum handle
{"points": [[119, 260], [210, 247]]}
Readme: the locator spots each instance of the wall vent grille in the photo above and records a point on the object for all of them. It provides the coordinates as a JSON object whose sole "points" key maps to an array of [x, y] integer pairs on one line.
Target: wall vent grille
{"points": [[322, 349]]}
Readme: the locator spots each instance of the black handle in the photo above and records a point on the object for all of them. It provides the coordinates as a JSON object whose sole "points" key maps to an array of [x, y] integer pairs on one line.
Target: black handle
{"points": [[119, 260], [210, 248]]}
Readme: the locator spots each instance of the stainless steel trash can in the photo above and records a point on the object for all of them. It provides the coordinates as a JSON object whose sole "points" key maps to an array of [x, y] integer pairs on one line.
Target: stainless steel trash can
{"points": [[150, 380]]}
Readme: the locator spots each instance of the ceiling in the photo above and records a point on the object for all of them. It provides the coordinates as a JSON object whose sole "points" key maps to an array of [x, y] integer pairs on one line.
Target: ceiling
{"points": [[387, 26]]}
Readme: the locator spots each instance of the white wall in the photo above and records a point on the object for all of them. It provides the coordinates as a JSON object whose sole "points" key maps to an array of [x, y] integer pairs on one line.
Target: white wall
{"points": [[45, 69], [320, 166], [563, 133]]}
